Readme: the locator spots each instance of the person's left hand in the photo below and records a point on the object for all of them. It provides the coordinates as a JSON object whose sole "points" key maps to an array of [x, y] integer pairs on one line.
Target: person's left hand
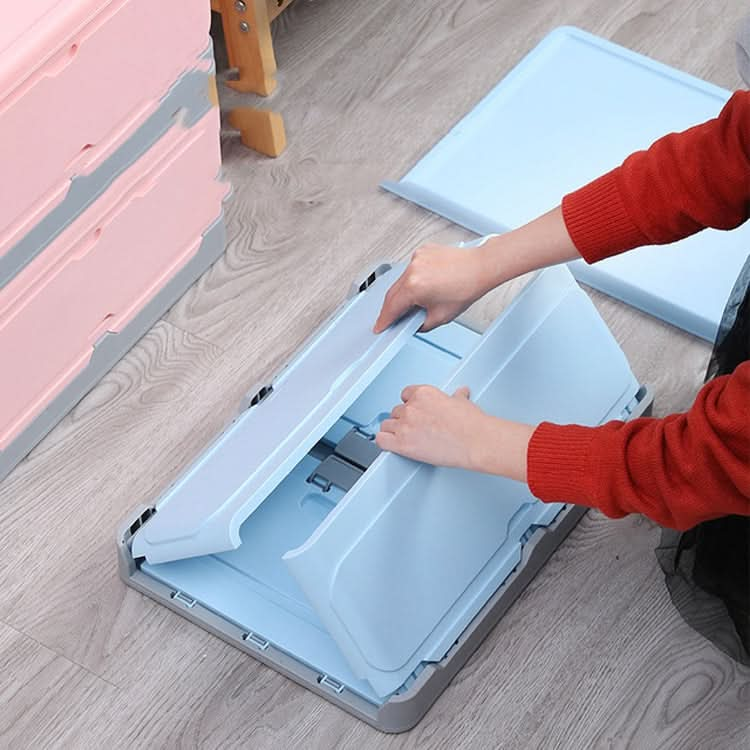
{"points": [[436, 428]]}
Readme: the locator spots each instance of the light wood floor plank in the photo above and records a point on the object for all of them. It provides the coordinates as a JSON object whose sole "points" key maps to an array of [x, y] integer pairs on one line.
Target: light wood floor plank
{"points": [[46, 701]]}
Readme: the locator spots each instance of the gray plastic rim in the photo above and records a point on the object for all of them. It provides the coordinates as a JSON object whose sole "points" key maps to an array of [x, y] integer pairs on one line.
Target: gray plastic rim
{"points": [[112, 346], [402, 712], [187, 100]]}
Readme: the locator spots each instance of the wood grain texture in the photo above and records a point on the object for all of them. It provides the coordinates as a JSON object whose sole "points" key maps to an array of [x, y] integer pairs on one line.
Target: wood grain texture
{"points": [[45, 699], [592, 655]]}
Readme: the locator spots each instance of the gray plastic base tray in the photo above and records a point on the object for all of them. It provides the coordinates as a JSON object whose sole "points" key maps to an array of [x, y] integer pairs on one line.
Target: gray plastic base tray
{"points": [[187, 101], [112, 346], [404, 709]]}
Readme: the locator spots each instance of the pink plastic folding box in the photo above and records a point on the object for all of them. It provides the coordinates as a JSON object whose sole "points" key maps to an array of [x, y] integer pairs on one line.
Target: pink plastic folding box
{"points": [[104, 268]]}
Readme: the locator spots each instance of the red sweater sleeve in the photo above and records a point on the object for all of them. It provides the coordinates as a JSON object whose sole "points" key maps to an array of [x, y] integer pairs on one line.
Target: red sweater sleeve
{"points": [[685, 468], [684, 183], [679, 471]]}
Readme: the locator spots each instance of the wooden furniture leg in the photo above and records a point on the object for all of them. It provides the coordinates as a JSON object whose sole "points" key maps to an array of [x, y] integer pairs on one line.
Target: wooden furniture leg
{"points": [[247, 31], [261, 130], [247, 34]]}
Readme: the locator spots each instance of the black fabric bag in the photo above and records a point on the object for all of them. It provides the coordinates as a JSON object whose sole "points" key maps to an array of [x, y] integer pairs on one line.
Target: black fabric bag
{"points": [[707, 569]]}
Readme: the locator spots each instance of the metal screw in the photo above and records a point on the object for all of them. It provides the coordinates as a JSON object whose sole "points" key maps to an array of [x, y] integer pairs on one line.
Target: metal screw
{"points": [[240, 6], [244, 26]]}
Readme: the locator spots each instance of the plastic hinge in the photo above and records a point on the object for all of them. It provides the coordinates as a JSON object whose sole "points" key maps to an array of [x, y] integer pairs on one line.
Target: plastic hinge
{"points": [[254, 398], [257, 640], [183, 599], [363, 286], [368, 282], [358, 448], [630, 406], [264, 392], [138, 522], [335, 472], [331, 683]]}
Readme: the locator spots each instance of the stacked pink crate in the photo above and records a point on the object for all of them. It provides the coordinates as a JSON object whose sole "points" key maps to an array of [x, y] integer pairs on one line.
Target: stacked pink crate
{"points": [[111, 192]]}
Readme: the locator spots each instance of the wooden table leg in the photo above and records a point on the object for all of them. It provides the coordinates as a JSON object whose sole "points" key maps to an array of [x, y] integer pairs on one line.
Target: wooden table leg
{"points": [[247, 31], [260, 129]]}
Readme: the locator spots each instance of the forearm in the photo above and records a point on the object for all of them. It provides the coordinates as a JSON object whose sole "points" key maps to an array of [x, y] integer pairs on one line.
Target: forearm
{"points": [[683, 183], [679, 470], [501, 448], [540, 243]]}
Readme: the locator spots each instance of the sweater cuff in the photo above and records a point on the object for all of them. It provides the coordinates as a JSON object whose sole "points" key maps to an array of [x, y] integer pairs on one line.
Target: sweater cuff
{"points": [[597, 221], [559, 466]]}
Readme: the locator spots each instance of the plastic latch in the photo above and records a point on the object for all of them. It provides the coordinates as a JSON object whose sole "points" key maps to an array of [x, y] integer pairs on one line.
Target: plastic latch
{"points": [[184, 599], [258, 641], [331, 683]]}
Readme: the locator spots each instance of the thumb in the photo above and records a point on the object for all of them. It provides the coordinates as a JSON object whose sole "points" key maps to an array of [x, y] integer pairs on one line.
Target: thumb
{"points": [[463, 392]]}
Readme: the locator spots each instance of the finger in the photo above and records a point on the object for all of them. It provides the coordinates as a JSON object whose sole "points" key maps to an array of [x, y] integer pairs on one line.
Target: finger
{"points": [[386, 441], [385, 316], [395, 304], [389, 425], [409, 392], [398, 411], [463, 392]]}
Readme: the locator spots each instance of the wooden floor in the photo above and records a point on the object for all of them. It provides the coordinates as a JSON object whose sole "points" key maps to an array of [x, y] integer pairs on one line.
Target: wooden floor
{"points": [[592, 656]]}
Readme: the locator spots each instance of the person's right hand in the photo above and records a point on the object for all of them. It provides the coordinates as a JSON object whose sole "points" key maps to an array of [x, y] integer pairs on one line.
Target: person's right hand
{"points": [[441, 279]]}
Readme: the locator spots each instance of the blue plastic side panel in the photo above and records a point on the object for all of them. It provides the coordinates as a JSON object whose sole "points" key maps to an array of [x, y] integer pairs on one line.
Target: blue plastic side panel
{"points": [[412, 552], [203, 512], [574, 108]]}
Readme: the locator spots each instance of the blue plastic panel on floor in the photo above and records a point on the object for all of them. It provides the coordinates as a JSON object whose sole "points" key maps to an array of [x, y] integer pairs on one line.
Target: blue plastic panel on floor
{"points": [[410, 555], [574, 108], [203, 512]]}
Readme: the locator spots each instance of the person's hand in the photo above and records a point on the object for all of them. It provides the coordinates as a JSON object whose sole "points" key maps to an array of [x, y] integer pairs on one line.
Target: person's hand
{"points": [[436, 428], [443, 280], [446, 280]]}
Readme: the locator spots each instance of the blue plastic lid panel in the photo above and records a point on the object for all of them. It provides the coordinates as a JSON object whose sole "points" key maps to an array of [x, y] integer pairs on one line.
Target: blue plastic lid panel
{"points": [[202, 513], [571, 110], [404, 561]]}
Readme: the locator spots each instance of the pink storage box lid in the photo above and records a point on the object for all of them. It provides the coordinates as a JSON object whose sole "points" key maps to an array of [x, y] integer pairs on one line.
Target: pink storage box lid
{"points": [[76, 79]]}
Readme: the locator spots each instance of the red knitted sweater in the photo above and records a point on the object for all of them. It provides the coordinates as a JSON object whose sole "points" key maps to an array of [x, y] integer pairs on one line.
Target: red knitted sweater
{"points": [[685, 468]]}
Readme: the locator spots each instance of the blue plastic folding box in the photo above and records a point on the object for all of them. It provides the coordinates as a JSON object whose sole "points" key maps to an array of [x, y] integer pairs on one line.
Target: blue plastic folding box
{"points": [[366, 577]]}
